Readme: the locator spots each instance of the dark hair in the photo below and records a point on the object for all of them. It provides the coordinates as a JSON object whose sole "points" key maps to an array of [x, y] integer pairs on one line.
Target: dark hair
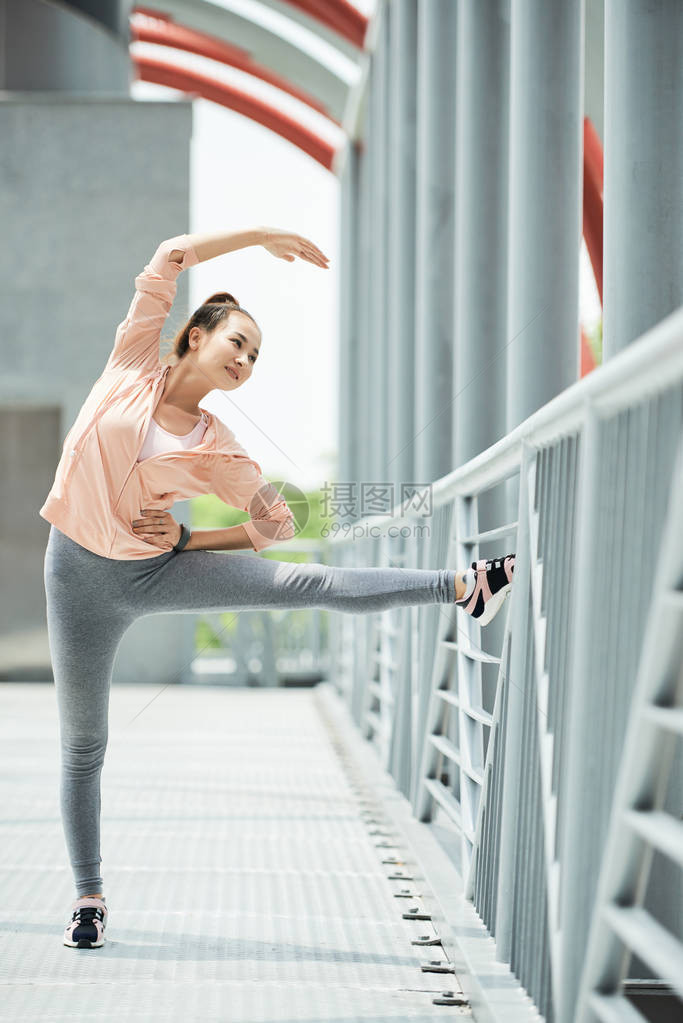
{"points": [[209, 315]]}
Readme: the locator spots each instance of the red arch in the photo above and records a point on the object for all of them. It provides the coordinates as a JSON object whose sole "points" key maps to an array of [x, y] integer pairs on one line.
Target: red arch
{"points": [[339, 15], [592, 198], [165, 32], [162, 73], [592, 221]]}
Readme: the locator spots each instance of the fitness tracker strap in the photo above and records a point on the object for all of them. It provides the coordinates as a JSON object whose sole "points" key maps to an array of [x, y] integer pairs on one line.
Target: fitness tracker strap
{"points": [[184, 537]]}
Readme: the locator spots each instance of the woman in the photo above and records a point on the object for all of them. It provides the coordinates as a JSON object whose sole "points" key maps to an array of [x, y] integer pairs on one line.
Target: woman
{"points": [[115, 553]]}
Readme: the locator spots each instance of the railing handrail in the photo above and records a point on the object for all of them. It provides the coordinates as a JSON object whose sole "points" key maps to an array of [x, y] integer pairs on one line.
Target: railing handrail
{"points": [[648, 364]]}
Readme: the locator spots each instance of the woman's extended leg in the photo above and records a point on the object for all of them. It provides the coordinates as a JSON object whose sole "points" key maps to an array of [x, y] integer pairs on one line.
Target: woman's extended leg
{"points": [[232, 581]]}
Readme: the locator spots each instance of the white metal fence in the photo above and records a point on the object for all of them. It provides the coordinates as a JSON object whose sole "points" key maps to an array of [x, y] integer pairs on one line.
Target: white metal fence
{"points": [[267, 648], [553, 739]]}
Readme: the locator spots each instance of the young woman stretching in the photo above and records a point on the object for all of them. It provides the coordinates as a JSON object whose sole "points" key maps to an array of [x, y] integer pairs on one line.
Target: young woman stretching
{"points": [[114, 553]]}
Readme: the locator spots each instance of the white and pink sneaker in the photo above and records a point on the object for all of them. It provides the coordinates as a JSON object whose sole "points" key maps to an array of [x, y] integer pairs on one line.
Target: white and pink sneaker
{"points": [[88, 920], [488, 584]]}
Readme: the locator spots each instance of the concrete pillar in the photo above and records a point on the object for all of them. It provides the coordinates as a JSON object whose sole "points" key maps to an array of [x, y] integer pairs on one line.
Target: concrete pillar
{"points": [[545, 220], [350, 312], [594, 65], [72, 47], [643, 236], [376, 345], [434, 239], [362, 380], [643, 192], [481, 225], [400, 315]]}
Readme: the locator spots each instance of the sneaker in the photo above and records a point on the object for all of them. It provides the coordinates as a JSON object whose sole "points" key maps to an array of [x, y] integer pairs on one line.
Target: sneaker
{"points": [[493, 581], [88, 921]]}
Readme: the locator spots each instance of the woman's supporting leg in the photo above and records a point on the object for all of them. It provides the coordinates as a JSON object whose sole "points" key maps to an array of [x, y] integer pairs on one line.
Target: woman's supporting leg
{"points": [[84, 630], [230, 581]]}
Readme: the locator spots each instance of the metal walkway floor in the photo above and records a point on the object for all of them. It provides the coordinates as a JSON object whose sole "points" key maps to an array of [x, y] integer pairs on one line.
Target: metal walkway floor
{"points": [[242, 866]]}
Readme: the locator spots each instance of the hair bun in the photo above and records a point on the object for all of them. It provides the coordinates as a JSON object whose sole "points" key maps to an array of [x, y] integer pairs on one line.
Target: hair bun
{"points": [[222, 298]]}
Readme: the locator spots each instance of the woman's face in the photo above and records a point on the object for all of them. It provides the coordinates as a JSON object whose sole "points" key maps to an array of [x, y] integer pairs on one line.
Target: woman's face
{"points": [[228, 354]]}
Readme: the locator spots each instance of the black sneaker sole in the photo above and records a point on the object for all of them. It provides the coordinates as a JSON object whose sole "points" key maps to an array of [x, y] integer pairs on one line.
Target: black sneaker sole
{"points": [[494, 605], [83, 943]]}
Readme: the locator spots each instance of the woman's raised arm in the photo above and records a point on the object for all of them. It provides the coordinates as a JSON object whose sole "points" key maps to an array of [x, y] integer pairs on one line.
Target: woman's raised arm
{"points": [[284, 244]]}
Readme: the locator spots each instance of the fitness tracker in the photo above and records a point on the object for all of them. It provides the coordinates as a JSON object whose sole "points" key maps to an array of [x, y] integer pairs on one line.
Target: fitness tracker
{"points": [[184, 537]]}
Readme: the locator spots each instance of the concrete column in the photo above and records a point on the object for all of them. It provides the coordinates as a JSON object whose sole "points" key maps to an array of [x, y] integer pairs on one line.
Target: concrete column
{"points": [[362, 380], [481, 225], [643, 233], [545, 220], [376, 344], [594, 65], [400, 317], [434, 239], [349, 311], [643, 192], [71, 47]]}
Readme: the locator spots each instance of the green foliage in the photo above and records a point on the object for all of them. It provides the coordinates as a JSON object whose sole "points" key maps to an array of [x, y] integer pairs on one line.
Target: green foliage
{"points": [[595, 339], [209, 512], [206, 639]]}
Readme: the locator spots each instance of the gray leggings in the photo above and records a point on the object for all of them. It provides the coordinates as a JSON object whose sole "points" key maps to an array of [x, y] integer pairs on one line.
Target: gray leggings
{"points": [[92, 600]]}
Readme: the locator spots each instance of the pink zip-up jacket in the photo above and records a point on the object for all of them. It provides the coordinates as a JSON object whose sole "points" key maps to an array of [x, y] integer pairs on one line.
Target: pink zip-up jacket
{"points": [[100, 487]]}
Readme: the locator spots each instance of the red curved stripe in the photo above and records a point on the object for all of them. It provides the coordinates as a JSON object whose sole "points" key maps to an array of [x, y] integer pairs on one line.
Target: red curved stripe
{"points": [[339, 15], [165, 32], [162, 73], [592, 198]]}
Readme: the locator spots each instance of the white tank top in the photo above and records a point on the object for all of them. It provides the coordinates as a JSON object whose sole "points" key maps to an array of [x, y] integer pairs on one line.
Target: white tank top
{"points": [[158, 440]]}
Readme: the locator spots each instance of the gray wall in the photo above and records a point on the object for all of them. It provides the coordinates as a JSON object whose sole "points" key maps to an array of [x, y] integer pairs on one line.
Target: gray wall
{"points": [[29, 451], [88, 188], [54, 47]]}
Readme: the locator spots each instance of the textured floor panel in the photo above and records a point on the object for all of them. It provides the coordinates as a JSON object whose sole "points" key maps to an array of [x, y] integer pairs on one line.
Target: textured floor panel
{"points": [[246, 1003], [243, 881]]}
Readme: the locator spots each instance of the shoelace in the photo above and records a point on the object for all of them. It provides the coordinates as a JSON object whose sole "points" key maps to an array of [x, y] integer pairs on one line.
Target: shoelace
{"points": [[86, 915], [495, 563]]}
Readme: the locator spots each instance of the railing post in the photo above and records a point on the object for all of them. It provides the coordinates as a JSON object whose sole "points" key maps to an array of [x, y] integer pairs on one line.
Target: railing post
{"points": [[583, 753], [514, 710]]}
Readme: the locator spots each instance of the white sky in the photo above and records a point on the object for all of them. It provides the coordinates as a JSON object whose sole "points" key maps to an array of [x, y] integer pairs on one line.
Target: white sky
{"points": [[242, 176]]}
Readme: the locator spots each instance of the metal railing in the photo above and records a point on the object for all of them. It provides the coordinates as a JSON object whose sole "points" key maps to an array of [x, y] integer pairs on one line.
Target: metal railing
{"points": [[269, 647], [518, 732]]}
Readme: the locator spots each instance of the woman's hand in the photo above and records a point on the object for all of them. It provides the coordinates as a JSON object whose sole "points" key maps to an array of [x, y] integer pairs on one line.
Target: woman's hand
{"points": [[157, 528], [287, 246]]}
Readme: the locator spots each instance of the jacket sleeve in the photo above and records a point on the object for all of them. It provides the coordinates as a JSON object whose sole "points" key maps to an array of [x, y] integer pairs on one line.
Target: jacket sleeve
{"points": [[239, 482], [136, 346]]}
